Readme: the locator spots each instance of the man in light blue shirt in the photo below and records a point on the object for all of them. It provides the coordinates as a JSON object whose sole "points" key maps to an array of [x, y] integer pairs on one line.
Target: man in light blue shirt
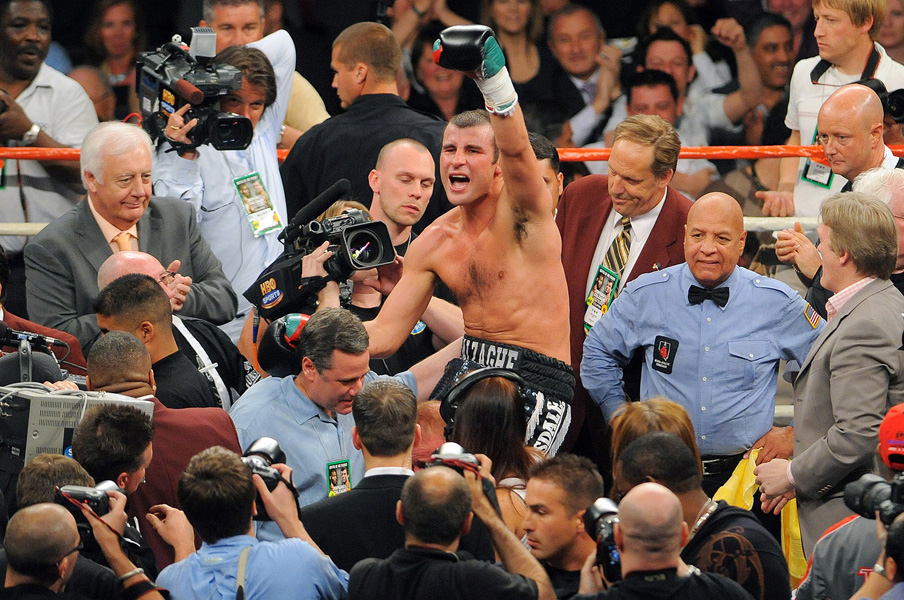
{"points": [[217, 493], [310, 414], [230, 189], [712, 335]]}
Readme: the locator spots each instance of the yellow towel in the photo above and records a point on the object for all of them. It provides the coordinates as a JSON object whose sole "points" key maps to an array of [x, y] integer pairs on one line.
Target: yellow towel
{"points": [[741, 490]]}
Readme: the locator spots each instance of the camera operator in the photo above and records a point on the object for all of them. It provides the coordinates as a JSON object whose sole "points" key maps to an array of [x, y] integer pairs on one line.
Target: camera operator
{"points": [[649, 535], [558, 493], [217, 492], [890, 564], [847, 551], [211, 179], [435, 510], [37, 484], [749, 554], [42, 547]]}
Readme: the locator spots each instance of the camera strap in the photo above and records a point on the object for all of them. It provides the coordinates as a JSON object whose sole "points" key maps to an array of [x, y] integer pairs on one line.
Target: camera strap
{"points": [[240, 575]]}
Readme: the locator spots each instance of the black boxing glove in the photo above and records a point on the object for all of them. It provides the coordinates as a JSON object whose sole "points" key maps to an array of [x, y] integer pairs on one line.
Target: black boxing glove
{"points": [[474, 50]]}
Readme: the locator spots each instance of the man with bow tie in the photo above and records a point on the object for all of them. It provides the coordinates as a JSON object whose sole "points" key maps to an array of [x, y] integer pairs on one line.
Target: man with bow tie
{"points": [[711, 335], [853, 374]]}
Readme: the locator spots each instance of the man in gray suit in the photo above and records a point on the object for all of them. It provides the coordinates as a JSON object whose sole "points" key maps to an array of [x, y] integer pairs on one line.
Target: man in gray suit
{"points": [[853, 373], [62, 261]]}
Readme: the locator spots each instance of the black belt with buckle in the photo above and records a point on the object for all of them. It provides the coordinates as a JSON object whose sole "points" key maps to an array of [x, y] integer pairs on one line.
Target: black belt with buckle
{"points": [[716, 465]]}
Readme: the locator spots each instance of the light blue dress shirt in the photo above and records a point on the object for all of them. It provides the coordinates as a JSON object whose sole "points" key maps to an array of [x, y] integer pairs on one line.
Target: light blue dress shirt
{"points": [[289, 568], [276, 408], [724, 361], [207, 182]]}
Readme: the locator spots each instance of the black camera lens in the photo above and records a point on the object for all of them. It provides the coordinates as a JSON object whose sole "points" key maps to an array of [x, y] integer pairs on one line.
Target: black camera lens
{"points": [[365, 248]]}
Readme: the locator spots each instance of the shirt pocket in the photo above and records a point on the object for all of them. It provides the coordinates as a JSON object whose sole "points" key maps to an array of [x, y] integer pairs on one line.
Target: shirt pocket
{"points": [[745, 357]]}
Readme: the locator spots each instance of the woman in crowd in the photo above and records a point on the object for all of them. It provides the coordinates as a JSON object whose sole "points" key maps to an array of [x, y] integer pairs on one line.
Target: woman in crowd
{"points": [[113, 40], [490, 420], [655, 414], [891, 35], [435, 90], [519, 29], [678, 16]]}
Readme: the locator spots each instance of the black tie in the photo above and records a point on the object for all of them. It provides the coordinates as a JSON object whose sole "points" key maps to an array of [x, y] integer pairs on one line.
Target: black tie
{"points": [[697, 294]]}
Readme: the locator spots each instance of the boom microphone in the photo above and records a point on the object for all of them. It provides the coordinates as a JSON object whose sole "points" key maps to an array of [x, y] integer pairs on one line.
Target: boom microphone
{"points": [[11, 337], [314, 208]]}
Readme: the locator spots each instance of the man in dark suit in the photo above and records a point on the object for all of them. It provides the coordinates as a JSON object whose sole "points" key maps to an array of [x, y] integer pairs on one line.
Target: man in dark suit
{"points": [[643, 160], [585, 77], [853, 373], [361, 523], [119, 213]]}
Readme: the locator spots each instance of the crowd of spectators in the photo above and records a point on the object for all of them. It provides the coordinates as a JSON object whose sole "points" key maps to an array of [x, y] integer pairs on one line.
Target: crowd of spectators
{"points": [[580, 334]]}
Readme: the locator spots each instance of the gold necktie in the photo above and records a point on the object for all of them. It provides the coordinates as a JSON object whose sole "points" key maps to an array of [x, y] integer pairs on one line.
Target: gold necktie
{"points": [[617, 255], [122, 240]]}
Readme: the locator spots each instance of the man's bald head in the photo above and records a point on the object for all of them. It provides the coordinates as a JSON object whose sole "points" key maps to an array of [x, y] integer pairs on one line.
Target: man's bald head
{"points": [[714, 238], [37, 538], [435, 504], [127, 263], [850, 128], [650, 521]]}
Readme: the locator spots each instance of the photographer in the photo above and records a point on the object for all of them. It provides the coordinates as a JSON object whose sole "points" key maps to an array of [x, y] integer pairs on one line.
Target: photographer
{"points": [[113, 442], [558, 493], [649, 536], [217, 493], [435, 510], [211, 179], [750, 555], [848, 550], [37, 484]]}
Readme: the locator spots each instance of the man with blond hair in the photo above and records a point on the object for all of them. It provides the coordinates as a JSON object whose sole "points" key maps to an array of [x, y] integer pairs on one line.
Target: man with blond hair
{"points": [[845, 30]]}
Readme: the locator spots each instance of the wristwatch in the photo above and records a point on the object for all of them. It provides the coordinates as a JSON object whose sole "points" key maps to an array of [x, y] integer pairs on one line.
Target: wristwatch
{"points": [[31, 135]]}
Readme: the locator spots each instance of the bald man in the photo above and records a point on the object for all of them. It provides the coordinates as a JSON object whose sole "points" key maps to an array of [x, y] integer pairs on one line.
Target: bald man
{"points": [[42, 544], [649, 537], [711, 335], [205, 344], [435, 509]]}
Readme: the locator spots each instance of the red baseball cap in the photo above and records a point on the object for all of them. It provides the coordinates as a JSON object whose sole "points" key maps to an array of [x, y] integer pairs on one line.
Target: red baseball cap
{"points": [[891, 438]]}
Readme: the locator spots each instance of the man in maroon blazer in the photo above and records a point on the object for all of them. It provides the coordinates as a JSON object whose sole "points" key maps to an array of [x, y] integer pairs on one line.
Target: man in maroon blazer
{"points": [[75, 362], [120, 363], [615, 228]]}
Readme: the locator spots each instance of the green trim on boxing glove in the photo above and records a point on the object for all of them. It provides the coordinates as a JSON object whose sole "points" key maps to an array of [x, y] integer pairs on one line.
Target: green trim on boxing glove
{"points": [[493, 58]]}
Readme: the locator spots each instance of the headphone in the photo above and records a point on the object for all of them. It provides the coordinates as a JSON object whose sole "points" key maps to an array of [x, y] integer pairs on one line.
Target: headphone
{"points": [[276, 350], [449, 404]]}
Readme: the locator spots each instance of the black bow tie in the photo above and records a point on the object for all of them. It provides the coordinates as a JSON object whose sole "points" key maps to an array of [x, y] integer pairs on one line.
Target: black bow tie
{"points": [[697, 294]]}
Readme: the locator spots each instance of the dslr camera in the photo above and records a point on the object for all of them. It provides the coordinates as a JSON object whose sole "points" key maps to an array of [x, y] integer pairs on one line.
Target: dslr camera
{"points": [[95, 497], [871, 494], [356, 241], [599, 521], [174, 75], [452, 455], [259, 457]]}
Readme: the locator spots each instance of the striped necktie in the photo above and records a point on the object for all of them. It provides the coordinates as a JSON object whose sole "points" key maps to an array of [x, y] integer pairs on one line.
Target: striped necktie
{"points": [[617, 255]]}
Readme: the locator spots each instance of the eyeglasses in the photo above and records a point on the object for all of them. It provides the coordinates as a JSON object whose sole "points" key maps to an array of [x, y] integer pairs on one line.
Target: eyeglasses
{"points": [[79, 548], [167, 277]]}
